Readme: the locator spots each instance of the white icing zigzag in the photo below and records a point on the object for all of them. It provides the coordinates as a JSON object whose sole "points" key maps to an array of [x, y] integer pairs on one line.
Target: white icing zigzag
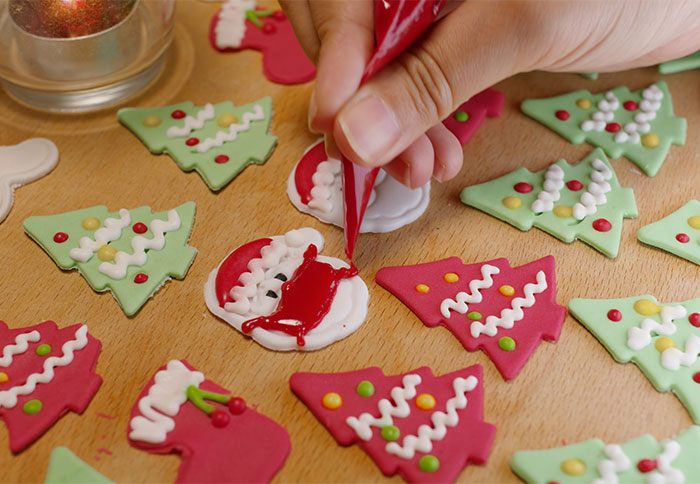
{"points": [[553, 183], [515, 313], [639, 337], [164, 399], [665, 473], [616, 462], [112, 230], [230, 29], [8, 398], [648, 107], [139, 244], [323, 179], [673, 358], [595, 195], [191, 123], [21, 345], [604, 115], [459, 304], [257, 114]]}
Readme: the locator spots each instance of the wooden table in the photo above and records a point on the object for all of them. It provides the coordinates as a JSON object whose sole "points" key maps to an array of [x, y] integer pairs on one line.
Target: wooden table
{"points": [[569, 391]]}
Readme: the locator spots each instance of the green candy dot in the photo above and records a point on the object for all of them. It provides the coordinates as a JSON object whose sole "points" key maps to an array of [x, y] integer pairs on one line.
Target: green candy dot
{"points": [[365, 388], [429, 463], [475, 315], [506, 343], [391, 433], [43, 350], [461, 116], [32, 407]]}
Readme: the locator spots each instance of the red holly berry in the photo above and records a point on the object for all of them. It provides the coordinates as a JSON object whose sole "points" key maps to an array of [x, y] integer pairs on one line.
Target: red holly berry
{"points": [[236, 406], [562, 115], [192, 142], [220, 419], [613, 127], [646, 465], [630, 105], [139, 228], [269, 28], [60, 237], [178, 114]]}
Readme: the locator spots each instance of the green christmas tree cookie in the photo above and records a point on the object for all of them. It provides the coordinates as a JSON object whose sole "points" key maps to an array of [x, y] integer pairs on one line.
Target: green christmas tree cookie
{"points": [[67, 468], [679, 233], [582, 201], [686, 63], [663, 340], [131, 253], [217, 140], [638, 461], [639, 125]]}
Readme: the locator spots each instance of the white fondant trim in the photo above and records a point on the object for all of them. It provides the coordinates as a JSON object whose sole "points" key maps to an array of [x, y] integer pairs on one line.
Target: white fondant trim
{"points": [[230, 29], [553, 183], [112, 230], [459, 303], [323, 178], [191, 123], [640, 336], [595, 195], [21, 345], [257, 114]]}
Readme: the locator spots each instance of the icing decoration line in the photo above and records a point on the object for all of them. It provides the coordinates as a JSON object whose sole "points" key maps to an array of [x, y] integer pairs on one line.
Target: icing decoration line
{"points": [[257, 114], [673, 358], [604, 115], [616, 462], [665, 473], [323, 179], [648, 107], [230, 29], [553, 183], [8, 398], [197, 397], [639, 337], [595, 195], [21, 345], [254, 16], [112, 230], [205, 114], [459, 304]]}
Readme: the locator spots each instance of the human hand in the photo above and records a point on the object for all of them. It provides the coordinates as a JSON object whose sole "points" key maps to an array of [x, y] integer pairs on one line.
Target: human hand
{"points": [[394, 119]]}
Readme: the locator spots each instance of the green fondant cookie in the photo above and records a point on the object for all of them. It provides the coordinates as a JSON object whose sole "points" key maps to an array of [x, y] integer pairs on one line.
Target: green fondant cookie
{"points": [[638, 461], [131, 253], [217, 140], [679, 233], [639, 125], [582, 201], [686, 63], [662, 340], [591, 76], [67, 468]]}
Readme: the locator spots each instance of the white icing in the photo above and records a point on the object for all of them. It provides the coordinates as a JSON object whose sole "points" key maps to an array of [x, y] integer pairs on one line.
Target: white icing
{"points": [[595, 195], [553, 183], [21, 164], [616, 462], [604, 115], [673, 358], [139, 245], [640, 336], [21, 345], [8, 398], [650, 104], [191, 123], [665, 473], [163, 401], [462, 299], [257, 114], [510, 316], [230, 28], [112, 230], [323, 179]]}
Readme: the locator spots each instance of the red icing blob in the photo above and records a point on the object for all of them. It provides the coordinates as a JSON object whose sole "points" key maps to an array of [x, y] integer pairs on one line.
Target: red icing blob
{"points": [[192, 142], [522, 187], [60, 237], [306, 169], [630, 105], [278, 15], [614, 315], [602, 225], [646, 465], [140, 278], [221, 159], [574, 185], [269, 28], [220, 419], [234, 265], [613, 127], [178, 114], [562, 115], [140, 228], [683, 238], [696, 377], [306, 297], [694, 319], [236, 406]]}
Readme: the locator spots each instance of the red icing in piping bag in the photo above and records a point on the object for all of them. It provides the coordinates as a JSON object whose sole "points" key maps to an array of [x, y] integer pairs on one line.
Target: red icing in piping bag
{"points": [[397, 24]]}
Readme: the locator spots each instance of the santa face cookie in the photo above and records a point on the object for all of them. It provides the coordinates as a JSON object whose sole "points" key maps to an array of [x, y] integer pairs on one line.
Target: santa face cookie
{"points": [[315, 187], [286, 296]]}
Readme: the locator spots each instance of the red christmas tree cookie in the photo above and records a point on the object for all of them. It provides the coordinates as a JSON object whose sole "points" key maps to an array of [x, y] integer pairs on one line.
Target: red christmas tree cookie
{"points": [[220, 438], [44, 373], [424, 427], [241, 25], [467, 118], [488, 305]]}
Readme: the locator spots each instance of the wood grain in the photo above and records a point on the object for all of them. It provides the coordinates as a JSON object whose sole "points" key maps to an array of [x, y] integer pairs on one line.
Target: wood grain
{"points": [[569, 391]]}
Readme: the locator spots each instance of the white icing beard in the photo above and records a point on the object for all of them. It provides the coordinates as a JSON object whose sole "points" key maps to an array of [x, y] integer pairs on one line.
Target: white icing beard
{"points": [[230, 29], [391, 204], [283, 256]]}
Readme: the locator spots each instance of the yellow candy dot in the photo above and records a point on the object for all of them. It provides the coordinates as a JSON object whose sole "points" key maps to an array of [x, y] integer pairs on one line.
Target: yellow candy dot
{"points": [[694, 222], [451, 277], [506, 290], [645, 307], [332, 401], [562, 211], [3, 377], [650, 140], [425, 401], [422, 288], [583, 103], [512, 203], [151, 121], [573, 467], [664, 343], [226, 120], [91, 223], [106, 253]]}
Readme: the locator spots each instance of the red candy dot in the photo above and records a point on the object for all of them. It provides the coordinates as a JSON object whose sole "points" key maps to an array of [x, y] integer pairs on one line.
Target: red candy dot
{"points": [[696, 377], [562, 115], [269, 28], [178, 114], [613, 127], [574, 185], [646, 465], [523, 187], [602, 225], [140, 228], [192, 142], [694, 319], [630, 105], [614, 315], [221, 159], [278, 15], [220, 419], [683, 238], [60, 237], [236, 405], [140, 278]]}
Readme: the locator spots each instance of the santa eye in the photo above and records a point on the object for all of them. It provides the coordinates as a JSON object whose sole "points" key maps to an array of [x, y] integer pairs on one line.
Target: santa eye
{"points": [[271, 294], [281, 277]]}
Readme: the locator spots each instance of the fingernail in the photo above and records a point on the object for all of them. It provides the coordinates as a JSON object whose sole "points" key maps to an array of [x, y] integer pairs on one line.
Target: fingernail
{"points": [[406, 179], [370, 128], [313, 109], [439, 172]]}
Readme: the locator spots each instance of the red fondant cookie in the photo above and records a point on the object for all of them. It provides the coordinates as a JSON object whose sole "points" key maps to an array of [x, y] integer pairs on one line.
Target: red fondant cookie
{"points": [[467, 118]]}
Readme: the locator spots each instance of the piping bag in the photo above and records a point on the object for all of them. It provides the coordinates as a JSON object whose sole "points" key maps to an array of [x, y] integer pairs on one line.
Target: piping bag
{"points": [[397, 24]]}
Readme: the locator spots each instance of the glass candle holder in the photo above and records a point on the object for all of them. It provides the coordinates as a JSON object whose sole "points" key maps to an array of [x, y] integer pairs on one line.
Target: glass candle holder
{"points": [[81, 55]]}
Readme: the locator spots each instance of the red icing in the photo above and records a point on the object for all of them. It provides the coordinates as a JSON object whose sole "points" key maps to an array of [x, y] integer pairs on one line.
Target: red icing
{"points": [[614, 315], [220, 418], [236, 405], [60, 237], [192, 142], [522, 187], [694, 319], [178, 114], [251, 448], [646, 465], [358, 182], [683, 238], [140, 228], [630, 105], [306, 297], [602, 225], [696, 377], [306, 168], [574, 185], [221, 159], [562, 115], [140, 278], [613, 127], [234, 265]]}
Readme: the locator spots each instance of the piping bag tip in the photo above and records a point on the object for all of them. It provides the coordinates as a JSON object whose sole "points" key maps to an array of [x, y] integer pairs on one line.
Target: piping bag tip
{"points": [[358, 182]]}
